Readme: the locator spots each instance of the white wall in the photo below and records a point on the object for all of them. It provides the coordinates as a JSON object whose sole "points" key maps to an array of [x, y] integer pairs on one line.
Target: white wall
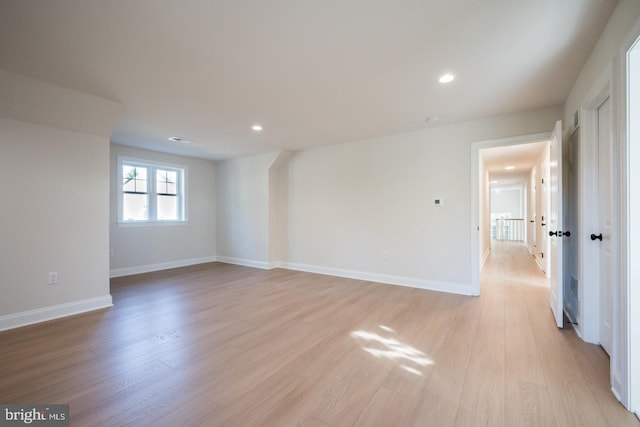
{"points": [[365, 208], [243, 209], [279, 209], [507, 200], [140, 248], [55, 209], [605, 51]]}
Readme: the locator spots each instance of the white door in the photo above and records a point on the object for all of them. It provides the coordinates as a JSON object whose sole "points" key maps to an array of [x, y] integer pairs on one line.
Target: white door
{"points": [[532, 222], [544, 225], [555, 224], [603, 235]]}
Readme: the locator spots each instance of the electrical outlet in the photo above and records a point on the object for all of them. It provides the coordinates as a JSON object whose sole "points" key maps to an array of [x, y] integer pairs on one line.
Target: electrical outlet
{"points": [[52, 278]]}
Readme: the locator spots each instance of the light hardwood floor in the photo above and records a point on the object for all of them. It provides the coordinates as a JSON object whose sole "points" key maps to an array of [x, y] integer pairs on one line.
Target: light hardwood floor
{"points": [[222, 345]]}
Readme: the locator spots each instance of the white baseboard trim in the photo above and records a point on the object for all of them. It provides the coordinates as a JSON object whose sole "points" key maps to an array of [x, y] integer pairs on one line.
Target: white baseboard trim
{"points": [[246, 262], [455, 288], [16, 320], [616, 394], [541, 267], [484, 257], [128, 271]]}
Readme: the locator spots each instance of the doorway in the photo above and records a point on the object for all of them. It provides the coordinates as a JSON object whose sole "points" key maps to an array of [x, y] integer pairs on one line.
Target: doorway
{"points": [[555, 223], [480, 194]]}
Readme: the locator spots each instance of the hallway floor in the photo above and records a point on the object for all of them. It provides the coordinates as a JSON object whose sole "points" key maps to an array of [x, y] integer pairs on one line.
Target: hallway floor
{"points": [[549, 372], [510, 263]]}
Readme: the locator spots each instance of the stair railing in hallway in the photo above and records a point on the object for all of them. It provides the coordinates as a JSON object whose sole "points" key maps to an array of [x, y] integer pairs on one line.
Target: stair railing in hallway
{"points": [[511, 229]]}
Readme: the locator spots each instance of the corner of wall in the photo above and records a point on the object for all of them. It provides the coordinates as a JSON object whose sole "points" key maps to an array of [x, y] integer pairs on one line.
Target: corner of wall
{"points": [[48, 130]]}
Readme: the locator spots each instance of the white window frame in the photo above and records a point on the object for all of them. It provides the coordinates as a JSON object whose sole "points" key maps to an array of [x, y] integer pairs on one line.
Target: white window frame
{"points": [[152, 166]]}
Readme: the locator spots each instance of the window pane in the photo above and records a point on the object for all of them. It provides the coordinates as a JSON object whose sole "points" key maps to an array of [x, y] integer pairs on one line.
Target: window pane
{"points": [[126, 170], [142, 173], [167, 208], [161, 181], [134, 179], [135, 207], [166, 181]]}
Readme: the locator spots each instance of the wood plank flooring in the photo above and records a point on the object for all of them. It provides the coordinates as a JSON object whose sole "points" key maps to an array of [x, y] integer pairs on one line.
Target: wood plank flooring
{"points": [[223, 345]]}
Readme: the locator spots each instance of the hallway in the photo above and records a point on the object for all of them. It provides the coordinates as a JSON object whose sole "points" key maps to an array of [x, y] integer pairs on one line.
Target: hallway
{"points": [[511, 263], [552, 377]]}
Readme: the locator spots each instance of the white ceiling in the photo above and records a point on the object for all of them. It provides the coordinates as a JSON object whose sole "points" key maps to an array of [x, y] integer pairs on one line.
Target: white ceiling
{"points": [[522, 157], [311, 72]]}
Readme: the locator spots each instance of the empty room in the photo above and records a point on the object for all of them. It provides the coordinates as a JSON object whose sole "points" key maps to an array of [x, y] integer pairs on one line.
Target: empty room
{"points": [[336, 213]]}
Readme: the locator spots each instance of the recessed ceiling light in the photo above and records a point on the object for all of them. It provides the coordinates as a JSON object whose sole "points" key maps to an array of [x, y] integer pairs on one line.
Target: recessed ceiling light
{"points": [[446, 78], [509, 168], [180, 140], [431, 119], [256, 128]]}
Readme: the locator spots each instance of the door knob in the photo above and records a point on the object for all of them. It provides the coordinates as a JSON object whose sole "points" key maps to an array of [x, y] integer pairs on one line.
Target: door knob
{"points": [[553, 233], [566, 233], [598, 237], [543, 224]]}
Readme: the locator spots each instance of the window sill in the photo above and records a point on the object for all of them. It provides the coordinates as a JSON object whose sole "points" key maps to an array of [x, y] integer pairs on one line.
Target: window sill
{"points": [[127, 224]]}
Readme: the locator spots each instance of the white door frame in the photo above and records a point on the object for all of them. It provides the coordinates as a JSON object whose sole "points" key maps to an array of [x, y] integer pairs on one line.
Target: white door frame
{"points": [[476, 146], [627, 316]]}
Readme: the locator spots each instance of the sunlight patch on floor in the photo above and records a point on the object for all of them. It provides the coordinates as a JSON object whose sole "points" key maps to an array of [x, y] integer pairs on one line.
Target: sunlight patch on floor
{"points": [[390, 348]]}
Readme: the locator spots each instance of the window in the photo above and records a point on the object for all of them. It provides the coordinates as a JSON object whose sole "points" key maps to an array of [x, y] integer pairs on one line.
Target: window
{"points": [[150, 192]]}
